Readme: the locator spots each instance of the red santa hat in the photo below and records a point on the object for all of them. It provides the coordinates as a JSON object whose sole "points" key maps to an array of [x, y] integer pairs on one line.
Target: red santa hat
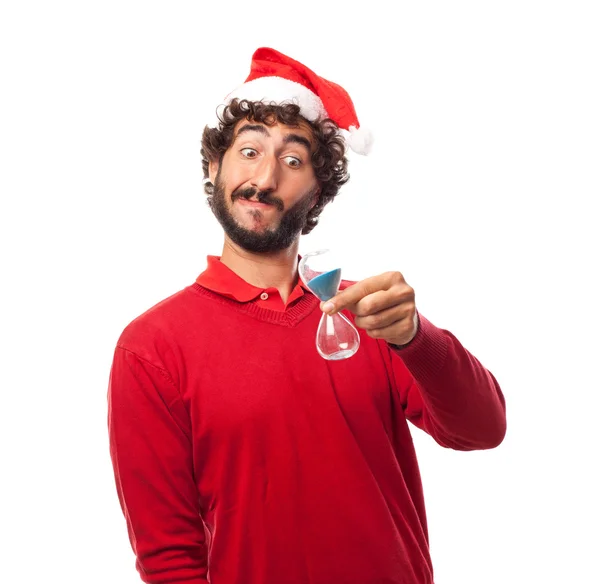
{"points": [[275, 77]]}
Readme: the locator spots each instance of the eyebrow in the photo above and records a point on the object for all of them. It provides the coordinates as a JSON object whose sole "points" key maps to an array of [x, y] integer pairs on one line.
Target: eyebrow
{"points": [[289, 138], [253, 128], [297, 139]]}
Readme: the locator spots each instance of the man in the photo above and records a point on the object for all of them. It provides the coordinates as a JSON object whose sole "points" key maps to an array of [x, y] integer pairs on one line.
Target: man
{"points": [[240, 454]]}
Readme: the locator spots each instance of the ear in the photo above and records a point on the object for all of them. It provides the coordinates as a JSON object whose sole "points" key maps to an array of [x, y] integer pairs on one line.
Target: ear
{"points": [[213, 169], [316, 196]]}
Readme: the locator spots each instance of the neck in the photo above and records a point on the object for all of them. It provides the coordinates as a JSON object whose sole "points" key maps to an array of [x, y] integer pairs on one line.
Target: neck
{"points": [[264, 270]]}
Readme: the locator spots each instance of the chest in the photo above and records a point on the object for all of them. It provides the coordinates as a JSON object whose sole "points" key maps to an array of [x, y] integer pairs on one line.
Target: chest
{"points": [[243, 380]]}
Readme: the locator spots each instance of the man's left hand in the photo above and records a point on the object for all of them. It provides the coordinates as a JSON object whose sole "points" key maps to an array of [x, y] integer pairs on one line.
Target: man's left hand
{"points": [[384, 306]]}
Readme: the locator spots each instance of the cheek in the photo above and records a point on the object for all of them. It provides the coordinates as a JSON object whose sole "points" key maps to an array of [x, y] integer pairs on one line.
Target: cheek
{"points": [[233, 177], [301, 186]]}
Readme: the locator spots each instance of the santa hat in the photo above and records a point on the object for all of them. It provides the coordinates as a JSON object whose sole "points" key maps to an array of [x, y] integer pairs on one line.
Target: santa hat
{"points": [[275, 77]]}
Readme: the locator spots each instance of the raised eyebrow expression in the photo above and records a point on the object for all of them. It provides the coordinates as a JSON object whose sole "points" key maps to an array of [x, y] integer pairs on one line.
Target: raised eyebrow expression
{"points": [[288, 139]]}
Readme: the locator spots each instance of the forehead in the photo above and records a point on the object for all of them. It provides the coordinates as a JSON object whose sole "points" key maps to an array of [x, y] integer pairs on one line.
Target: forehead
{"points": [[274, 131]]}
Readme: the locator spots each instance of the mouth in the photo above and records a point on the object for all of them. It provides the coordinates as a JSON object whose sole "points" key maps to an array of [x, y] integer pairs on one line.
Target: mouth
{"points": [[251, 203]]}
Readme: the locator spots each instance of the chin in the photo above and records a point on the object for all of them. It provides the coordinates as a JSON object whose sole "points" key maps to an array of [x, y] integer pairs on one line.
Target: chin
{"points": [[250, 224]]}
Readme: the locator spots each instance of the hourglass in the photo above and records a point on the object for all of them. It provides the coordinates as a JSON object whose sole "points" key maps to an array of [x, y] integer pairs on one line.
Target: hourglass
{"points": [[337, 338]]}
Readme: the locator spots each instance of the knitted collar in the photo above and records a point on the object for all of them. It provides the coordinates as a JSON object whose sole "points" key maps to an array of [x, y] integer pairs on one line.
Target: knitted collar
{"points": [[221, 283]]}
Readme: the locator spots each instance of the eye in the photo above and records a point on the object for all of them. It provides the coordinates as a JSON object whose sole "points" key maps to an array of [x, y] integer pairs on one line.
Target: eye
{"points": [[249, 152], [293, 162]]}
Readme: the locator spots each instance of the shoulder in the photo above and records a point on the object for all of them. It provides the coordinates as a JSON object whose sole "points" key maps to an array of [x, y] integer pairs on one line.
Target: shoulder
{"points": [[152, 330]]}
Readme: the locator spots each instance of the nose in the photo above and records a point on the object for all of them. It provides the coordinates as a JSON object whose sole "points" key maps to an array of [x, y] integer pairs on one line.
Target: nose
{"points": [[264, 177]]}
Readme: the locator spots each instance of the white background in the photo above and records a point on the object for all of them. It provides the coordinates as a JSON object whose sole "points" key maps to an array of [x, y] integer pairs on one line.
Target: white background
{"points": [[480, 190]]}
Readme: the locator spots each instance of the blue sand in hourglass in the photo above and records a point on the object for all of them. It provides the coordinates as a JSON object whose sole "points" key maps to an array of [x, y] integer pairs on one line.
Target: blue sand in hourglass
{"points": [[326, 285]]}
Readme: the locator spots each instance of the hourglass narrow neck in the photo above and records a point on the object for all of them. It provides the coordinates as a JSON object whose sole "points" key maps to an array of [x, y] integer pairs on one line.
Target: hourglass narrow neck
{"points": [[325, 286]]}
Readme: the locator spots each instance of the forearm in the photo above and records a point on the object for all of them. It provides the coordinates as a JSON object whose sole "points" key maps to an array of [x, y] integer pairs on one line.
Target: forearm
{"points": [[463, 405], [150, 450]]}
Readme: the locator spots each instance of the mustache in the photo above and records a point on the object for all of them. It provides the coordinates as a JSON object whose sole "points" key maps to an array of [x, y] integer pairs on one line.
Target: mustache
{"points": [[262, 196]]}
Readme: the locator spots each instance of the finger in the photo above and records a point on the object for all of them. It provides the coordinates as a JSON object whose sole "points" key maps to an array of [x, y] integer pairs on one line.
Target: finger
{"points": [[351, 295], [382, 300], [384, 318], [401, 332]]}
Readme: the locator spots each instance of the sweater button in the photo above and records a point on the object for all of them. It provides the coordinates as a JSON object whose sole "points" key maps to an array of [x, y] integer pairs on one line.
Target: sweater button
{"points": [[264, 296]]}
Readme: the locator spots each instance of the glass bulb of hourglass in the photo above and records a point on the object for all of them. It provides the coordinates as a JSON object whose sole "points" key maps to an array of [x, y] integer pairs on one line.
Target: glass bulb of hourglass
{"points": [[336, 338]]}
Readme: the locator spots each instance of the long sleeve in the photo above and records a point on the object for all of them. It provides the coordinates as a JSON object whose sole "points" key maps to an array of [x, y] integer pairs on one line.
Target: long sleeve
{"points": [[151, 453], [451, 395]]}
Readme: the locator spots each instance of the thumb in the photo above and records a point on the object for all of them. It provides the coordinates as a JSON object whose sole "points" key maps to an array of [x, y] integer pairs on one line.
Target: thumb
{"points": [[328, 306]]}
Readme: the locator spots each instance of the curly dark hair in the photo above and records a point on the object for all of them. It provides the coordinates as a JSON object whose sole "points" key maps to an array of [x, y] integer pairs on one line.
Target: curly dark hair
{"points": [[328, 160]]}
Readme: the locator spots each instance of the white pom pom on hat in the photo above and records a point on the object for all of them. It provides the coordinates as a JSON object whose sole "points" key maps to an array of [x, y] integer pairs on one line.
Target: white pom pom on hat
{"points": [[360, 140], [275, 77]]}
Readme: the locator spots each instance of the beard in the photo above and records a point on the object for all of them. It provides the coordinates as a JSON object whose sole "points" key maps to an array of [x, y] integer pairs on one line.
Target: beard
{"points": [[270, 240]]}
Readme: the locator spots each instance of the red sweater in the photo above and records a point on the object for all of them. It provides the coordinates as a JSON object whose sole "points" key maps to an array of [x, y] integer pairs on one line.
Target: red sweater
{"points": [[243, 457]]}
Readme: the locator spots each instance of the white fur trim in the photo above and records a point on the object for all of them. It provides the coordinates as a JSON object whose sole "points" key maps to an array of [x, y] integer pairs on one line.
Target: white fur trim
{"points": [[360, 140], [280, 90]]}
